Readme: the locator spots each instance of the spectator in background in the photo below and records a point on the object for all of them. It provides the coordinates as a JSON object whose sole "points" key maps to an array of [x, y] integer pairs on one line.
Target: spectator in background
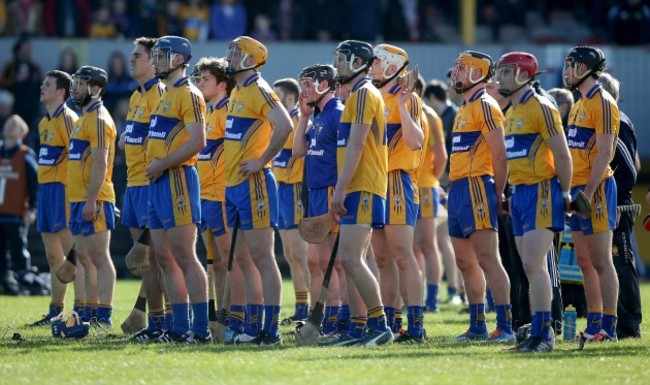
{"points": [[22, 77], [66, 18], [400, 21], [146, 16], [262, 30], [289, 20], [102, 26], [68, 61], [628, 22], [6, 107], [120, 83], [18, 204], [195, 17], [367, 27], [228, 20], [121, 19], [3, 16], [436, 95], [325, 21], [24, 17], [169, 21], [564, 100]]}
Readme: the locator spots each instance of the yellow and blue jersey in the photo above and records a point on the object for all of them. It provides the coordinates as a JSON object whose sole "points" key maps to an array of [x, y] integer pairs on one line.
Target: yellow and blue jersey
{"points": [[94, 129], [425, 175], [320, 160], [180, 105], [470, 154], [141, 105], [365, 105], [595, 113], [247, 129], [55, 133], [400, 157], [211, 165], [286, 168], [528, 126]]}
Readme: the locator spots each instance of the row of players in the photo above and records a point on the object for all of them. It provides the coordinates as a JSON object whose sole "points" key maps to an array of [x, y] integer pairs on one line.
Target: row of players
{"points": [[372, 161]]}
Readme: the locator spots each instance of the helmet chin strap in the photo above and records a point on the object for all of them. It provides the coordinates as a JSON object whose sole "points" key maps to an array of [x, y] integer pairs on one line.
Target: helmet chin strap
{"points": [[164, 74], [381, 84]]}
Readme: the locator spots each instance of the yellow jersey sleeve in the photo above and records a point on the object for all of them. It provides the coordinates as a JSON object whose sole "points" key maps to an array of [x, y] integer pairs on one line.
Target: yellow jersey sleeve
{"points": [[434, 135], [54, 134], [248, 131], [365, 105], [95, 129], [211, 164], [595, 113], [400, 157], [286, 168], [180, 105]]}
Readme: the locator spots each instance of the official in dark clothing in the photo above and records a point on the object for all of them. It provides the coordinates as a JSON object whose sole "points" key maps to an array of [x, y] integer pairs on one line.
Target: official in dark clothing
{"points": [[18, 188]]}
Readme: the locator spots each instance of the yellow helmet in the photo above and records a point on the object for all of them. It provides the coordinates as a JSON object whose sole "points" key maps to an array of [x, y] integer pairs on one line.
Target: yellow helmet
{"points": [[249, 47], [473, 60]]}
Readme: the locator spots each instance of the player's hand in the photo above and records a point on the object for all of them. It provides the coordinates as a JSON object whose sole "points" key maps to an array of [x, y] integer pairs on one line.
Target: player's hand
{"points": [[404, 96], [250, 167], [155, 169], [503, 205], [567, 207], [337, 207], [305, 109], [30, 217], [89, 212]]}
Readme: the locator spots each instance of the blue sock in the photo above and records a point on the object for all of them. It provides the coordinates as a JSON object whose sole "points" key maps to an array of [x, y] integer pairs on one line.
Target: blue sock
{"points": [[451, 291], [477, 318], [536, 324], [55, 310], [490, 300], [253, 319], [330, 319], [302, 311], [167, 321], [180, 318], [398, 320], [156, 320], [546, 325], [504, 318], [79, 308], [357, 327], [594, 322], [200, 319], [272, 321], [415, 318], [104, 313], [344, 318], [236, 318], [377, 319], [432, 297], [609, 324], [390, 317]]}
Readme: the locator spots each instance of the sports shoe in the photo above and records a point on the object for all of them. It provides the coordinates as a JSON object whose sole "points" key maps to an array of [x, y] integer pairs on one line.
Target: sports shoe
{"points": [[405, 337], [195, 339], [293, 319], [45, 321], [246, 339], [168, 336], [431, 309], [377, 337], [343, 339], [536, 345], [453, 300], [100, 323], [266, 340], [471, 336], [145, 335], [499, 336], [601, 336], [523, 332]]}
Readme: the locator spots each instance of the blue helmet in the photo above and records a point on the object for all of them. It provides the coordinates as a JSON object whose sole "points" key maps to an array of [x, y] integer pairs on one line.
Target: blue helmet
{"points": [[69, 325], [174, 44]]}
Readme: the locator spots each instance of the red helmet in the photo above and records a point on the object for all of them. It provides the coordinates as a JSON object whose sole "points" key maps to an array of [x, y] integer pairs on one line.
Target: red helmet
{"points": [[521, 60]]}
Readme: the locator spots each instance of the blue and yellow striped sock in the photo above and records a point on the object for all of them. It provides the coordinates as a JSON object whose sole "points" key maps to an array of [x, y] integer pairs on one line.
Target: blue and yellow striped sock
{"points": [[477, 318], [104, 312], [236, 318], [504, 317], [330, 319], [91, 309], [156, 320], [390, 317], [432, 297], [536, 324], [594, 321], [344, 318], [200, 319], [399, 320], [79, 308], [377, 319], [302, 304], [272, 321], [55, 309], [547, 329], [451, 291], [253, 319], [415, 319], [180, 318], [357, 327], [167, 320], [609, 322]]}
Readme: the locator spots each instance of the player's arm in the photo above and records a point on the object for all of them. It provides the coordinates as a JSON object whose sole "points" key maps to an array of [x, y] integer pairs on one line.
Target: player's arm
{"points": [[194, 144], [300, 144], [98, 170], [497, 144], [121, 144], [282, 127], [562, 158], [410, 114], [605, 143], [440, 155]]}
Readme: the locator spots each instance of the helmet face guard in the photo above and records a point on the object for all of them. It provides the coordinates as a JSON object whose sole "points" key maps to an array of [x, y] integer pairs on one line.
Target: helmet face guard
{"points": [[165, 51], [389, 56], [81, 94], [310, 80], [592, 57], [346, 54], [476, 66], [239, 50]]}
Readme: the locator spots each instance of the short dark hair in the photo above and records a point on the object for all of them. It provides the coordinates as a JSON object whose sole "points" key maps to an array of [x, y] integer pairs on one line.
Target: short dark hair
{"points": [[63, 80], [289, 86], [217, 67], [146, 42], [419, 85], [437, 88]]}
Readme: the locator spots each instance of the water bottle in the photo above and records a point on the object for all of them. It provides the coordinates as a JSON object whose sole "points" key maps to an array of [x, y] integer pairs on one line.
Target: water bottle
{"points": [[569, 329]]}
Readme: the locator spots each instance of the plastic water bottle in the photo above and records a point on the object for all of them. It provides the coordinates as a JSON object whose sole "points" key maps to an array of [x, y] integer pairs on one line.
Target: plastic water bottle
{"points": [[569, 329]]}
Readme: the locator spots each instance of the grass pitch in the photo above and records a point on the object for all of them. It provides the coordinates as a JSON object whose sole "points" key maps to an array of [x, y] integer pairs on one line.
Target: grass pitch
{"points": [[40, 359]]}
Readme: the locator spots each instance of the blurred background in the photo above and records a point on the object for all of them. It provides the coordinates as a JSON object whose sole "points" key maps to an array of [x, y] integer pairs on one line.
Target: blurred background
{"points": [[39, 35]]}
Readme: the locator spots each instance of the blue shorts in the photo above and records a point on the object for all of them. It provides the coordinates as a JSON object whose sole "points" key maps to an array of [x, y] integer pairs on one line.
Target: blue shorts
{"points": [[174, 199], [603, 209], [364, 208], [52, 209], [105, 219], [135, 211], [402, 199], [429, 201], [537, 206], [319, 200], [213, 217], [290, 204], [472, 206], [256, 201]]}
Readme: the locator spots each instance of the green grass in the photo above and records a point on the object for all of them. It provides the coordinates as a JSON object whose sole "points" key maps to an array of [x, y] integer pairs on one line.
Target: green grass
{"points": [[41, 359]]}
